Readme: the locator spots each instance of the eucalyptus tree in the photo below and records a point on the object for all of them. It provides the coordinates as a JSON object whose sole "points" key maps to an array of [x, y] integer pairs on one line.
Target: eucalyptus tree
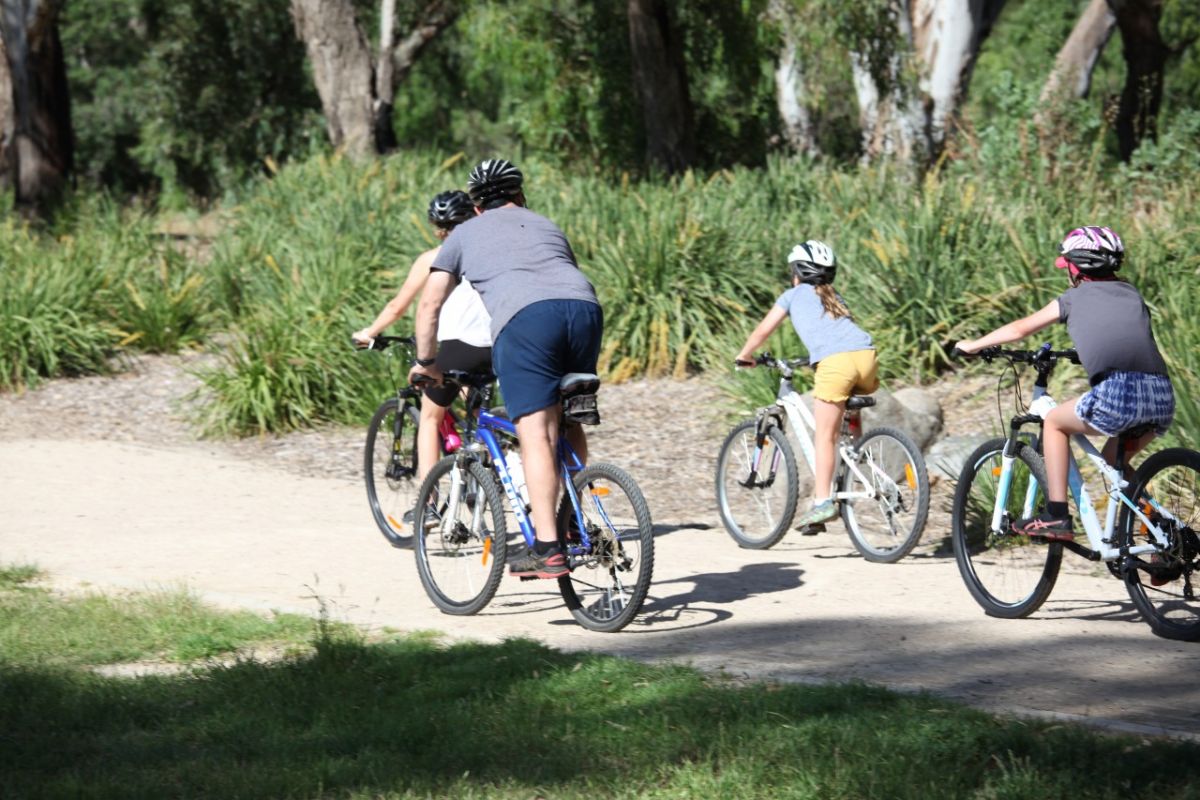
{"points": [[1145, 55], [661, 84], [1075, 62], [40, 151]]}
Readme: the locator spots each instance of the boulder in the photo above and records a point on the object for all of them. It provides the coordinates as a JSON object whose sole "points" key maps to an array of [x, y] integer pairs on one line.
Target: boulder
{"points": [[947, 456]]}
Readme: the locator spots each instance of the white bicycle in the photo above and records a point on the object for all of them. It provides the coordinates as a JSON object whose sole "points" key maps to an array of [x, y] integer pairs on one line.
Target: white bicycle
{"points": [[1148, 538], [881, 484]]}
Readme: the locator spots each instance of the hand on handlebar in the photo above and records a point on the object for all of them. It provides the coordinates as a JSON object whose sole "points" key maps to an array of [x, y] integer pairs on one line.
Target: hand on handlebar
{"points": [[362, 340], [744, 362]]}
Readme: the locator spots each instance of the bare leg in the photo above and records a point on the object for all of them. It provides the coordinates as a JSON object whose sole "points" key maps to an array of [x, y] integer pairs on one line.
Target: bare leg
{"points": [[428, 444], [828, 417], [577, 438], [1061, 424], [538, 435]]}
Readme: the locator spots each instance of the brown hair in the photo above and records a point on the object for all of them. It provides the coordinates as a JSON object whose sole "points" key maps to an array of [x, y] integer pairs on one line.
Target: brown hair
{"points": [[833, 304]]}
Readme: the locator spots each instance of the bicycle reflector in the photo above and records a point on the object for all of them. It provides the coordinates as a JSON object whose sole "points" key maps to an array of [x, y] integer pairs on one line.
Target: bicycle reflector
{"points": [[600, 491], [910, 476], [487, 549]]}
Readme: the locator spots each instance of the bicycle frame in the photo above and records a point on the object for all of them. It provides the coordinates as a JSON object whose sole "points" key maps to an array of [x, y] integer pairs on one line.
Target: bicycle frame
{"points": [[803, 423], [1099, 536]]}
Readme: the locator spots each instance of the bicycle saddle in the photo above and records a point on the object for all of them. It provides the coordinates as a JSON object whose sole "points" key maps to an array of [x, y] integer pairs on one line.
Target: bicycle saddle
{"points": [[577, 383], [862, 401], [1137, 431], [578, 391]]}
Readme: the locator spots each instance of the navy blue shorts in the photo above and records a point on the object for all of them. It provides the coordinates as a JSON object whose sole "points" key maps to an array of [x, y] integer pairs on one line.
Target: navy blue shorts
{"points": [[541, 344]]}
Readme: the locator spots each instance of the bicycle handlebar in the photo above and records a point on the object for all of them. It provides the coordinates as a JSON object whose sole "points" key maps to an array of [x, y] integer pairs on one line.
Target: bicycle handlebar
{"points": [[767, 360], [1043, 355], [384, 342]]}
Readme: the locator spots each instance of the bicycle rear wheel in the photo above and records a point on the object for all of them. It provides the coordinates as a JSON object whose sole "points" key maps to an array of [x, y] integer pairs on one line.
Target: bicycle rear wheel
{"points": [[389, 465], [1008, 574], [610, 578], [1168, 484], [756, 486], [460, 540], [885, 528]]}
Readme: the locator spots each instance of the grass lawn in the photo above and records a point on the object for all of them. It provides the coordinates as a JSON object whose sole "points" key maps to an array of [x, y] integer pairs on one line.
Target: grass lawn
{"points": [[412, 718]]}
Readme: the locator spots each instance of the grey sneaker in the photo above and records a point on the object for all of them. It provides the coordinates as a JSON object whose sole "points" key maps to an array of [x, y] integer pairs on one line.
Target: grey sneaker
{"points": [[822, 512]]}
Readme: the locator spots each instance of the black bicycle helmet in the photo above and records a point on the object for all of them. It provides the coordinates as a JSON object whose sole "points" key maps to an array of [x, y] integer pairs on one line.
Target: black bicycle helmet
{"points": [[448, 209], [813, 262], [494, 182]]}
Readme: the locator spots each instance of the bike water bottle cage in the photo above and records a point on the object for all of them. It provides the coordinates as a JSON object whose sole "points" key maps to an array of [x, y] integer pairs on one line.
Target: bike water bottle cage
{"points": [[578, 392]]}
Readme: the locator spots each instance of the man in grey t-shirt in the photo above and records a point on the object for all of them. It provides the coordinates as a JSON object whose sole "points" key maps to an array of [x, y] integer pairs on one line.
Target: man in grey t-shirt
{"points": [[546, 323]]}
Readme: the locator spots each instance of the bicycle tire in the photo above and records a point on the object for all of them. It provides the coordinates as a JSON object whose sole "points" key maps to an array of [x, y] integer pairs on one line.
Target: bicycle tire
{"points": [[389, 465], [749, 512], [447, 549], [1166, 608], [901, 484], [1009, 575], [597, 592]]}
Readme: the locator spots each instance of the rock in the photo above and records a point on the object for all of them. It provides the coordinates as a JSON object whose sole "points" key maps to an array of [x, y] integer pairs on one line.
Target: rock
{"points": [[914, 411], [947, 456]]}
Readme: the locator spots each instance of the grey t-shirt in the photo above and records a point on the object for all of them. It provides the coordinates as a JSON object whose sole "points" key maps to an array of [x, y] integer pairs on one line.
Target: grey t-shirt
{"points": [[1110, 327], [514, 258], [821, 334]]}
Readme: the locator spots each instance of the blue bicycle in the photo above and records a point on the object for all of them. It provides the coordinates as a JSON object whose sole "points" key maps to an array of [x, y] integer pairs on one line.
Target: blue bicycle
{"points": [[603, 522]]}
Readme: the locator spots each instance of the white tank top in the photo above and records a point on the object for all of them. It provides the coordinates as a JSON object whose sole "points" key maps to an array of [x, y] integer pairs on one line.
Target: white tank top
{"points": [[464, 318]]}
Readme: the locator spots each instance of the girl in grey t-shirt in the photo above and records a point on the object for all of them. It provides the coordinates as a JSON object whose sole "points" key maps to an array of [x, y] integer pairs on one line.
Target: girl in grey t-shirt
{"points": [[1110, 326]]}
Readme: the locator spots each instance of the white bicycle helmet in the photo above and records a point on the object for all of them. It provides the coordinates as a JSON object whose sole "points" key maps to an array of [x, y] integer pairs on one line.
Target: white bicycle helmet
{"points": [[813, 262]]}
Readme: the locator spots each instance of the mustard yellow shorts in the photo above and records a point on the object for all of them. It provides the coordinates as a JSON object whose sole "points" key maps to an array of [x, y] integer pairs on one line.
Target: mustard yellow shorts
{"points": [[844, 374]]}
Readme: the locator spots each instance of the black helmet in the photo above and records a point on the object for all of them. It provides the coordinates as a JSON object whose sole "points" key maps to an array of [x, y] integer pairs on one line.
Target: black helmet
{"points": [[813, 262], [494, 182], [450, 208]]}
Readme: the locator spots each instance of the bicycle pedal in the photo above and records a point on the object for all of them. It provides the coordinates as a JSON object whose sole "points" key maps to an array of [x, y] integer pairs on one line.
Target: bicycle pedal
{"points": [[527, 577], [812, 530]]}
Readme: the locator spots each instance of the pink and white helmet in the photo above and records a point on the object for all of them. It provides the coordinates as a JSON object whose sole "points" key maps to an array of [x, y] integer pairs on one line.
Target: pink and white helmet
{"points": [[1092, 251]]}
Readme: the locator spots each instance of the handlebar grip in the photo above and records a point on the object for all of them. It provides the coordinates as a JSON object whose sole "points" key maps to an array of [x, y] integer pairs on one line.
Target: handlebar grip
{"points": [[739, 362]]}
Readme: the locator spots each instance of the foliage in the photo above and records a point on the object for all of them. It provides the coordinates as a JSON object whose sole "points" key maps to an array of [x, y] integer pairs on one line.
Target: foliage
{"points": [[413, 719]]}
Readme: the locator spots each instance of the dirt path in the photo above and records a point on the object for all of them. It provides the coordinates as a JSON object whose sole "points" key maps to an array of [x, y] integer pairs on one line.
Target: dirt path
{"points": [[241, 530]]}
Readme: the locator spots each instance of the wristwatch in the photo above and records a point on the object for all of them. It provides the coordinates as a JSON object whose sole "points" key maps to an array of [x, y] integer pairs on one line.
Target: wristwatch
{"points": [[426, 362]]}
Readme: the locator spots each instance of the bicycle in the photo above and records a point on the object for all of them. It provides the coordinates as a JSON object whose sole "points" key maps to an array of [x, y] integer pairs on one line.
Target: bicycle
{"points": [[390, 454], [1011, 575], [881, 484], [603, 522]]}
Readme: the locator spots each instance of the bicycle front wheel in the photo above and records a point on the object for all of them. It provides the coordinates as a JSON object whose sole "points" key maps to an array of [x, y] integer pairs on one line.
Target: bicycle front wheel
{"points": [[460, 536], [1008, 574], [757, 485], [610, 577], [885, 527], [1167, 488], [389, 465]]}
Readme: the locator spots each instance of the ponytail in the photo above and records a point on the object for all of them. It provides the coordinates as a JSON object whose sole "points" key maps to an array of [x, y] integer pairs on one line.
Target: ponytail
{"points": [[833, 304]]}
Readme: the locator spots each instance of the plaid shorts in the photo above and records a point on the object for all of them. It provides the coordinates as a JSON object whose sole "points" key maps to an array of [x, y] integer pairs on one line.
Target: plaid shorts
{"points": [[1126, 399]]}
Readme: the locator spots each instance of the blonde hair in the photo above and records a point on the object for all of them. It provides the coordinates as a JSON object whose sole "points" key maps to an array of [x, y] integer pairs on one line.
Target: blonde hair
{"points": [[833, 304]]}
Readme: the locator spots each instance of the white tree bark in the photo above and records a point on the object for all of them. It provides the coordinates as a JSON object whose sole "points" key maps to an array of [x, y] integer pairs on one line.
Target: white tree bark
{"points": [[6, 117], [1075, 62], [791, 91]]}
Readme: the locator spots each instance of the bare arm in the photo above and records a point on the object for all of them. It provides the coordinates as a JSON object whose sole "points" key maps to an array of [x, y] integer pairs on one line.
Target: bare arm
{"points": [[759, 335], [437, 288], [418, 273], [1014, 331]]}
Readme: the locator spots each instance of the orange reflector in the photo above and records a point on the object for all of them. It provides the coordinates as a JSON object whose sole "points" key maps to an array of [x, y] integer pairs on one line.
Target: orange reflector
{"points": [[487, 549], [395, 524], [600, 491], [910, 477], [996, 472]]}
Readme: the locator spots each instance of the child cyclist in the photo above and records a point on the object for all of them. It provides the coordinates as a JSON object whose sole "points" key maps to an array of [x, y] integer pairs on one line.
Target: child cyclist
{"points": [[464, 326], [1109, 325], [841, 351]]}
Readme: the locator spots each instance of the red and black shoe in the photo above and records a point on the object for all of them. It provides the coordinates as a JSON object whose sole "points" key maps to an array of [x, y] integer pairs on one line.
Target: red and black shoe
{"points": [[531, 565], [1045, 526]]}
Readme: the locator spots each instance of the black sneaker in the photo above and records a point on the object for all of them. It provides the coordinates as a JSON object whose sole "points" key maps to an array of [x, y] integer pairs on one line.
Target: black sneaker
{"points": [[1044, 526], [531, 565]]}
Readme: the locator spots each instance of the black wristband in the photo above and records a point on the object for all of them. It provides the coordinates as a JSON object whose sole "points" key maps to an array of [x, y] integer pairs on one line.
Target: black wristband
{"points": [[426, 362]]}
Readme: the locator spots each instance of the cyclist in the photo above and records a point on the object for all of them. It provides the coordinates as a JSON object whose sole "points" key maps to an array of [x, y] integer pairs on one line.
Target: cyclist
{"points": [[842, 352], [546, 323], [1109, 325], [463, 331]]}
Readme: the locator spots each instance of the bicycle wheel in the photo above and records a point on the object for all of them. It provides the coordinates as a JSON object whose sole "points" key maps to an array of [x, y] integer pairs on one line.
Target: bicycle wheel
{"points": [[756, 487], [610, 578], [1168, 484], [886, 527], [389, 465], [1008, 574], [461, 552]]}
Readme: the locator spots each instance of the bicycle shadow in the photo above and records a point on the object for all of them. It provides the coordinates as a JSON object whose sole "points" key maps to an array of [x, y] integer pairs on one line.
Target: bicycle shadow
{"points": [[693, 608], [663, 530]]}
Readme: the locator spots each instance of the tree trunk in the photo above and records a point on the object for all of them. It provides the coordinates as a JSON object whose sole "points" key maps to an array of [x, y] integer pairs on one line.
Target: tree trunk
{"points": [[1073, 66], [791, 91], [343, 71], [660, 80], [943, 38], [385, 87], [1145, 60], [41, 152], [6, 119]]}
